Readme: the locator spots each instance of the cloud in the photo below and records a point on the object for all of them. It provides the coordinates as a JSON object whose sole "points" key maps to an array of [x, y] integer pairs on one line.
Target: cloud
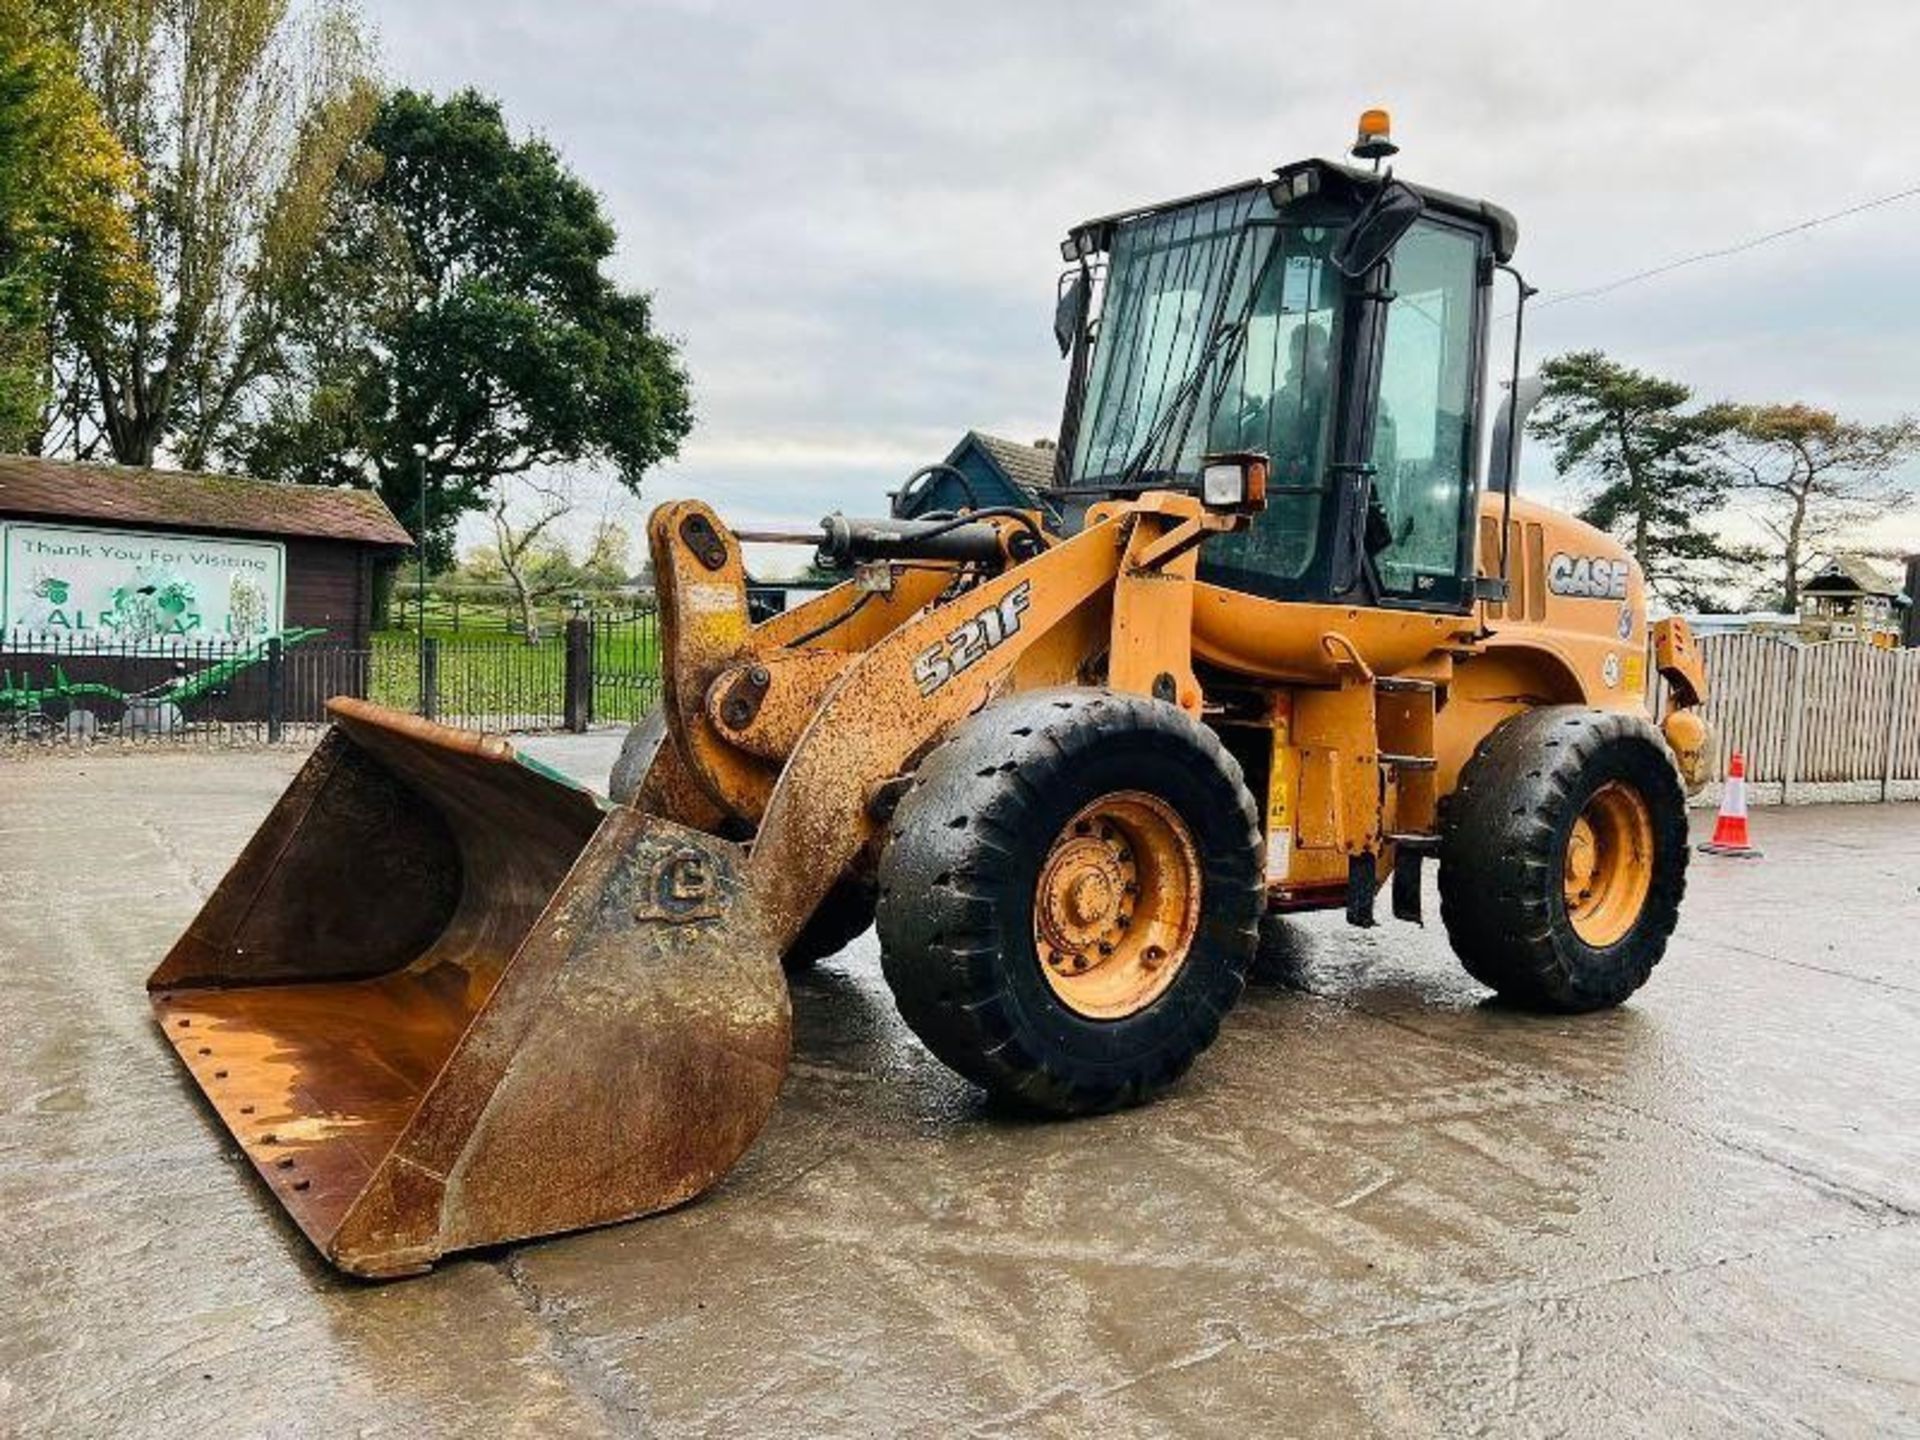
{"points": [[849, 211]]}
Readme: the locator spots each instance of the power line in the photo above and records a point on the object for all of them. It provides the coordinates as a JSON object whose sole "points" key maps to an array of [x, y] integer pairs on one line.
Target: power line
{"points": [[1724, 251]]}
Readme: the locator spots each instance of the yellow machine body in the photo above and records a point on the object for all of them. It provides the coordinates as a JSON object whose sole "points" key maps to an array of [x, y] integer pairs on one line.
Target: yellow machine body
{"points": [[1353, 761]]}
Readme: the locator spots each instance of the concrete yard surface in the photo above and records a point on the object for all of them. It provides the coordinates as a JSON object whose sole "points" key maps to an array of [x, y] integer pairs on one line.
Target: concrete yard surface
{"points": [[1381, 1204]]}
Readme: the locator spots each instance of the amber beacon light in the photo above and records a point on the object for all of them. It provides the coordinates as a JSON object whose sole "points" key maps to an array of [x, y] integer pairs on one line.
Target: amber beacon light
{"points": [[1375, 138]]}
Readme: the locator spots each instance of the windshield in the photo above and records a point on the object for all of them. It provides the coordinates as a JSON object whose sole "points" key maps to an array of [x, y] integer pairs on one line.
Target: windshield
{"points": [[1179, 283]]}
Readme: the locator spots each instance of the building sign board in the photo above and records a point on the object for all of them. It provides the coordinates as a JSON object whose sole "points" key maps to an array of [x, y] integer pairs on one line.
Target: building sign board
{"points": [[150, 592]]}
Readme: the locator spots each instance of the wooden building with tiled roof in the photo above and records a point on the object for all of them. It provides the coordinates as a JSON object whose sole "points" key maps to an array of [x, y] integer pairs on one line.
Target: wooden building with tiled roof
{"points": [[253, 557], [1849, 598]]}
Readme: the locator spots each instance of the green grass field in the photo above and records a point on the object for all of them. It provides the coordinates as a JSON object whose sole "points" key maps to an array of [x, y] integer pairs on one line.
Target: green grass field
{"points": [[489, 677]]}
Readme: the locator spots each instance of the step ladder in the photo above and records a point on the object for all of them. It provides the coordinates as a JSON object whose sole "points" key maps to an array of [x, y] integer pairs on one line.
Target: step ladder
{"points": [[1405, 708]]}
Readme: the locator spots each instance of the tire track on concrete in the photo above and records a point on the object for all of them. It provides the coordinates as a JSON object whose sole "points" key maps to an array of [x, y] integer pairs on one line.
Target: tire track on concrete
{"points": [[1858, 1197], [604, 1386]]}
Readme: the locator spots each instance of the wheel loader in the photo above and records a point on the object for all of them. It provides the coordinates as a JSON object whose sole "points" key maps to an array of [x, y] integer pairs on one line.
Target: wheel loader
{"points": [[1284, 648]]}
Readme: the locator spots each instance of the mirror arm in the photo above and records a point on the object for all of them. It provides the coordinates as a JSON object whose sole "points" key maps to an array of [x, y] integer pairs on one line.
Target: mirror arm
{"points": [[1525, 292]]}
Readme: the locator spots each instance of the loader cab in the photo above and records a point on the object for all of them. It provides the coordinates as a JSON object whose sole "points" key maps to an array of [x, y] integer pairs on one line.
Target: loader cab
{"points": [[1233, 321]]}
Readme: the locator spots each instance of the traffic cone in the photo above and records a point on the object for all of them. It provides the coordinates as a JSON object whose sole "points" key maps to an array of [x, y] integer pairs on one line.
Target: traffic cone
{"points": [[1730, 830]]}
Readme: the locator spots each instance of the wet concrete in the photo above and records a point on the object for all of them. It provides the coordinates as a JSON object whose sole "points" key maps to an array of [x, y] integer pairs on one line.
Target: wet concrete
{"points": [[1380, 1204]]}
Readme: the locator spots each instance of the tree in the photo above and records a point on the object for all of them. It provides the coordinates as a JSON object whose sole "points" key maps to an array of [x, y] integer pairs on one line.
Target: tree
{"points": [[609, 554], [1813, 477], [460, 327], [240, 113], [66, 187], [535, 563], [529, 556], [1647, 466]]}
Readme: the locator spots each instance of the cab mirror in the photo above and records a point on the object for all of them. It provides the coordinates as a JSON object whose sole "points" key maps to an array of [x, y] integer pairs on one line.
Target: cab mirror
{"points": [[1374, 232], [1070, 309]]}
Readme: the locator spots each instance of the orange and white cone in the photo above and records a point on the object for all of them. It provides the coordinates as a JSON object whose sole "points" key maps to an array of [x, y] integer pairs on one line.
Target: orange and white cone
{"points": [[1730, 830]]}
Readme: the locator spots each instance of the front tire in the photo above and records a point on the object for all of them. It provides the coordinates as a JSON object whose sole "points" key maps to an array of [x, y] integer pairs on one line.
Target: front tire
{"points": [[1068, 898], [1564, 857]]}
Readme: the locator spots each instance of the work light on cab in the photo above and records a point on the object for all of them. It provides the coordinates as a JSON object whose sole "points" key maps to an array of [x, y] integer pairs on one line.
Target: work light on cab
{"points": [[1234, 482]]}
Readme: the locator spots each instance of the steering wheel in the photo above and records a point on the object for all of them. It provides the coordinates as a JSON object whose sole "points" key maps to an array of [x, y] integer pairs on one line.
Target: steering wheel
{"points": [[920, 481]]}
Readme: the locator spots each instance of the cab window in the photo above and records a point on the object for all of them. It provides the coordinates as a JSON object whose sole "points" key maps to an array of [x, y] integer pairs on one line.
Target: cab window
{"points": [[1423, 429], [1276, 395]]}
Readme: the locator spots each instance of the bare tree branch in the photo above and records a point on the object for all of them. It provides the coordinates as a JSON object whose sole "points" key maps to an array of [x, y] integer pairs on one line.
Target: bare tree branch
{"points": [[1825, 475], [517, 548]]}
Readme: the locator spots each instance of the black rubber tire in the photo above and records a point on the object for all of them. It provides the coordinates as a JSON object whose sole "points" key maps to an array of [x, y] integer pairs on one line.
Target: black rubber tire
{"points": [[1503, 846], [842, 917], [643, 742], [958, 871]]}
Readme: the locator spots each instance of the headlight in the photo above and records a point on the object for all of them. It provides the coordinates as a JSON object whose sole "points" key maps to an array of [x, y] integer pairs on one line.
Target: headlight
{"points": [[1233, 482], [1223, 486], [1287, 189]]}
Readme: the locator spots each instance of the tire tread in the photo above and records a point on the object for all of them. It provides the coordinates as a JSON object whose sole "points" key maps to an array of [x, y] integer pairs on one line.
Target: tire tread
{"points": [[1500, 856], [940, 950]]}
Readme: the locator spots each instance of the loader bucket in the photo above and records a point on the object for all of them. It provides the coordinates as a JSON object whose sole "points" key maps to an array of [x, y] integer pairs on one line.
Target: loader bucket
{"points": [[446, 998]]}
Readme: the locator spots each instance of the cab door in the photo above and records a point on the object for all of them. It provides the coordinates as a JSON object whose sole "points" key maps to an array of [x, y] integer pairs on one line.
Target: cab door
{"points": [[1424, 423]]}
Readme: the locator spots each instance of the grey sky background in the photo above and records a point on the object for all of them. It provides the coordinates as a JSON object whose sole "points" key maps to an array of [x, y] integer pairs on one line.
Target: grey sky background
{"points": [[850, 212]]}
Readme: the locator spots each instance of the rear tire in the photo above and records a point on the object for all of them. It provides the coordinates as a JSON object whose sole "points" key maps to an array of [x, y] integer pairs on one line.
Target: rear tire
{"points": [[1068, 898], [1564, 856], [1283, 956]]}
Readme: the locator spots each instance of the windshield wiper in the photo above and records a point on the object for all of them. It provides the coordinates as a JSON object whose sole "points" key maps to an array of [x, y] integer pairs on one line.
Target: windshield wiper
{"points": [[1186, 396]]}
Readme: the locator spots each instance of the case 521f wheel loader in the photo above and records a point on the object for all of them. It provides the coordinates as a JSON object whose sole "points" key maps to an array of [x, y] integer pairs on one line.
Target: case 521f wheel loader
{"points": [[1282, 651]]}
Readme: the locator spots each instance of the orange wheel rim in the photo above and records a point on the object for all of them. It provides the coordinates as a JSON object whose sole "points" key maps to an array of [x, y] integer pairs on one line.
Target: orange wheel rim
{"points": [[1608, 869], [1117, 905]]}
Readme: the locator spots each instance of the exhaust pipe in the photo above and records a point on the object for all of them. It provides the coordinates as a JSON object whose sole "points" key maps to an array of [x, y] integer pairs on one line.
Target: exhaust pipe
{"points": [[1509, 421]]}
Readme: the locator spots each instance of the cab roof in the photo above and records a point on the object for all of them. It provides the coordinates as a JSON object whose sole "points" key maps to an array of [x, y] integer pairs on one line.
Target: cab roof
{"points": [[1329, 176]]}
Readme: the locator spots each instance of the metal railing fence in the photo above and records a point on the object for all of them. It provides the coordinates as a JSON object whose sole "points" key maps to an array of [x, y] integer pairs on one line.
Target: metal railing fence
{"points": [[67, 690]]}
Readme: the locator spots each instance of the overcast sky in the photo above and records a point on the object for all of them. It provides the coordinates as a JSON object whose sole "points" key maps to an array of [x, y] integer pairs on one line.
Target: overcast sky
{"points": [[850, 212]]}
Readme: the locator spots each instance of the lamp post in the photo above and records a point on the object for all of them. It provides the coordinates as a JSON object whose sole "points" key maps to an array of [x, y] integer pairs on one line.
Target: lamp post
{"points": [[420, 571], [420, 536]]}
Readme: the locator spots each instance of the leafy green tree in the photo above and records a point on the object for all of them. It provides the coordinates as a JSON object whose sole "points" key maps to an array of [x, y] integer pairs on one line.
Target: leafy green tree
{"points": [[1646, 467], [240, 113], [1812, 477], [460, 328], [66, 188]]}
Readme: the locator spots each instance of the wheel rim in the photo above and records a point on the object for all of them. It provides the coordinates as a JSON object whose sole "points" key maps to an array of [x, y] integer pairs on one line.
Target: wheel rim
{"points": [[1609, 865], [1117, 905]]}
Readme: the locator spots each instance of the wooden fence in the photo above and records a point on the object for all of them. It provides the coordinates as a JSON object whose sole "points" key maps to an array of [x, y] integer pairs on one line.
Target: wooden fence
{"points": [[1835, 720]]}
